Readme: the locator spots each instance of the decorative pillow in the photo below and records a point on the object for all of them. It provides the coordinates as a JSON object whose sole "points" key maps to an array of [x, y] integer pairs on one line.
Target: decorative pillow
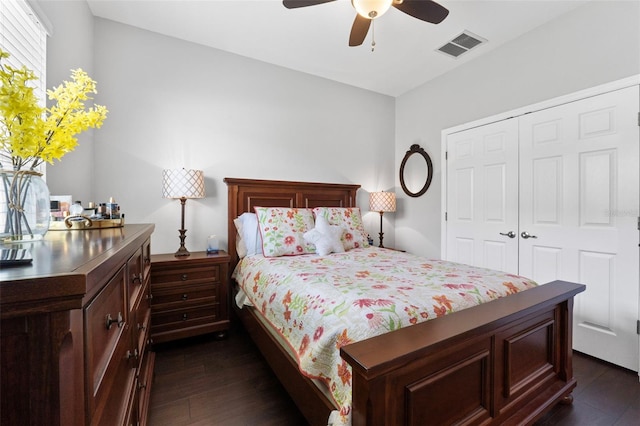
{"points": [[250, 242], [325, 237], [282, 230], [348, 218]]}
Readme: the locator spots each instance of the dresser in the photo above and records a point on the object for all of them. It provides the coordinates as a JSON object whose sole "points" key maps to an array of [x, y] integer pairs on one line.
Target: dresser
{"points": [[74, 330], [190, 295]]}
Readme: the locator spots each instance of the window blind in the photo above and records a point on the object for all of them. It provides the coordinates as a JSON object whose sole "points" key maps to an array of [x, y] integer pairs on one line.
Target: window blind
{"points": [[24, 37]]}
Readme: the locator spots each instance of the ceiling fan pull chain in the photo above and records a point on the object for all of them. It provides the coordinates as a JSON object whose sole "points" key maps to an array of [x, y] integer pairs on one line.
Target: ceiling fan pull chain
{"points": [[373, 35]]}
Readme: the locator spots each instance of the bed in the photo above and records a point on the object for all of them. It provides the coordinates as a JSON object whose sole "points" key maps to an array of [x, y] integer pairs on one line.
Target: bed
{"points": [[503, 362]]}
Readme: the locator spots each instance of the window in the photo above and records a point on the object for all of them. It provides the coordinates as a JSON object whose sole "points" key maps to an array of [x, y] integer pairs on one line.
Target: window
{"points": [[25, 38]]}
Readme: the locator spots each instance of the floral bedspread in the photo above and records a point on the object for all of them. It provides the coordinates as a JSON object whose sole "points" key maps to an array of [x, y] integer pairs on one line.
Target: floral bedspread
{"points": [[321, 303]]}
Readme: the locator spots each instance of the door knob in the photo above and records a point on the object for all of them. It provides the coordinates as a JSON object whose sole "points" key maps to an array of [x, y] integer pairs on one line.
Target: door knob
{"points": [[526, 235], [509, 234]]}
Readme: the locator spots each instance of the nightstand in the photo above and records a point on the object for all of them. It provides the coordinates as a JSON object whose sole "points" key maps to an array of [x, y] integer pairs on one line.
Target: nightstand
{"points": [[190, 295]]}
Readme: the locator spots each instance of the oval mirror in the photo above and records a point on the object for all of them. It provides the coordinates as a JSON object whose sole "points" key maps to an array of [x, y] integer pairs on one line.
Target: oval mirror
{"points": [[416, 171]]}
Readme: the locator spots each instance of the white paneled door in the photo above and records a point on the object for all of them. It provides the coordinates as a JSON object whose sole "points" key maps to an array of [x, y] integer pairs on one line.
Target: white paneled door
{"points": [[482, 189], [579, 200], [566, 181]]}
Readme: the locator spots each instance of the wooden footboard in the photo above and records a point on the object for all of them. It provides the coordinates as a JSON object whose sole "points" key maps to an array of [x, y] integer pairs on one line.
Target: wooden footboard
{"points": [[505, 362]]}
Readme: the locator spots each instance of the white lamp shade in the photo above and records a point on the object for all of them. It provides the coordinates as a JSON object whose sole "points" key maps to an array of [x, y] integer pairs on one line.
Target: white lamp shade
{"points": [[371, 9], [382, 201], [182, 183]]}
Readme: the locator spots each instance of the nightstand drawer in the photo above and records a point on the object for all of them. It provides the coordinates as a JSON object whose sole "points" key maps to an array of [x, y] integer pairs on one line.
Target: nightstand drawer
{"points": [[175, 296], [183, 275], [166, 321]]}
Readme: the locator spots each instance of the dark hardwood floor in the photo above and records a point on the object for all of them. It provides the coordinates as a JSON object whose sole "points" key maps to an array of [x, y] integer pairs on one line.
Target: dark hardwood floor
{"points": [[204, 381]]}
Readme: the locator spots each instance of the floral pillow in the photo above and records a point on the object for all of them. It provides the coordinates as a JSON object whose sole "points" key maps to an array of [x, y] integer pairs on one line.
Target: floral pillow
{"points": [[350, 219], [283, 229]]}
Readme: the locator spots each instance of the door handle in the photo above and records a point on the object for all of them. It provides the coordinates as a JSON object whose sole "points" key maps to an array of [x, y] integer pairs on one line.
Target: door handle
{"points": [[526, 235], [509, 234]]}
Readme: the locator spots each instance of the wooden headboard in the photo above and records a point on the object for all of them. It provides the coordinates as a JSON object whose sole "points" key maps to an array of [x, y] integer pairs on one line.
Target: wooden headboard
{"points": [[245, 194]]}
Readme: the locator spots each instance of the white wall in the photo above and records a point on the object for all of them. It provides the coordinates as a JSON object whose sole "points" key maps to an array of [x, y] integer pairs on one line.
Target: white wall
{"points": [[595, 44], [176, 104], [70, 46]]}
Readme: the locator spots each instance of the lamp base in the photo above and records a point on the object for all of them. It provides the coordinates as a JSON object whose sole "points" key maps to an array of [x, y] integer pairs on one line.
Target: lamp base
{"points": [[182, 251], [381, 233]]}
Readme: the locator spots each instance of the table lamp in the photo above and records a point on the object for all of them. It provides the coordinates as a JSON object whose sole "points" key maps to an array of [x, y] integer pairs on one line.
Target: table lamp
{"points": [[382, 202], [182, 184]]}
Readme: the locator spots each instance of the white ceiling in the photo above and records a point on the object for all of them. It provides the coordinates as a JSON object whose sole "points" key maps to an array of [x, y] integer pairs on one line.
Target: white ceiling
{"points": [[314, 39]]}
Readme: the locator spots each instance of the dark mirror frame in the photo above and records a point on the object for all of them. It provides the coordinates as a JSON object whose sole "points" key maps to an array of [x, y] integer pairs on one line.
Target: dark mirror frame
{"points": [[415, 149]]}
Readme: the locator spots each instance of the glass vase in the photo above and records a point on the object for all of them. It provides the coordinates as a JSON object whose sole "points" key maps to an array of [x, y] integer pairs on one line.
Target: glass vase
{"points": [[24, 206]]}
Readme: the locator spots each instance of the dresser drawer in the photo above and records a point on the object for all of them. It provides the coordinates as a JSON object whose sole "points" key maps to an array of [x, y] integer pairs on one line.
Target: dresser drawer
{"points": [[141, 321], [106, 321], [174, 297], [184, 318], [135, 277], [191, 274], [113, 399]]}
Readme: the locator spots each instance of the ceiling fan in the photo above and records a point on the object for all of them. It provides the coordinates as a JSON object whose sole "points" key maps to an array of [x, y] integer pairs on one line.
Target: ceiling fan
{"points": [[368, 10]]}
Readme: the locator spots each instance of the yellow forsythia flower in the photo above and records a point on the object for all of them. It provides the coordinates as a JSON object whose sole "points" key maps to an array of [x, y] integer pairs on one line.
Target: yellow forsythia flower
{"points": [[31, 134]]}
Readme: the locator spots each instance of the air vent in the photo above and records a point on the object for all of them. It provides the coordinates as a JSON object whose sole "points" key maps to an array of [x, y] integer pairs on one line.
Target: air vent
{"points": [[461, 44]]}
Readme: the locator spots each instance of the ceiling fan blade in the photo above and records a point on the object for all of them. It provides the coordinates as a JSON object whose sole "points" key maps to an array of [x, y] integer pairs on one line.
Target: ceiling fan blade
{"points": [[425, 10], [293, 4], [359, 30]]}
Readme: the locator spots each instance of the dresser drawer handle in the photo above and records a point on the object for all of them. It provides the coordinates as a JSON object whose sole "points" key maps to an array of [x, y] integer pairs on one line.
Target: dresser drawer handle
{"points": [[184, 277], [136, 278], [141, 326], [185, 296], [142, 386], [108, 321], [133, 354], [184, 317]]}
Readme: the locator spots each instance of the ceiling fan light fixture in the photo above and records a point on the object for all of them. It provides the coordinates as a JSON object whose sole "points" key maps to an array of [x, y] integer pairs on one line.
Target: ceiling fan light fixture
{"points": [[371, 9]]}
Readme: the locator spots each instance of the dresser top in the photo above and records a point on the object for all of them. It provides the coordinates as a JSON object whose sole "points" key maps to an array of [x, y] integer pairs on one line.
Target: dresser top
{"points": [[67, 263]]}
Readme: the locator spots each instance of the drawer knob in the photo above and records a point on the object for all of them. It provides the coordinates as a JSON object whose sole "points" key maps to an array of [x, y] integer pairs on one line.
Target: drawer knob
{"points": [[136, 278], [133, 354], [109, 321], [142, 386], [184, 277], [184, 317], [141, 326], [185, 296]]}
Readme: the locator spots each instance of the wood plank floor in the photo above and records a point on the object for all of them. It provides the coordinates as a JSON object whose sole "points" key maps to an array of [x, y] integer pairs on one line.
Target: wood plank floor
{"points": [[203, 381]]}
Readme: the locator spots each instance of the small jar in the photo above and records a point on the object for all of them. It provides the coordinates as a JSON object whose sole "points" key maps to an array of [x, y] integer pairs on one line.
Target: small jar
{"points": [[212, 244]]}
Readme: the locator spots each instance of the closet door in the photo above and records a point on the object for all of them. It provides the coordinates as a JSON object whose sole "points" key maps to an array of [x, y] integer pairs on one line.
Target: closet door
{"points": [[482, 196], [579, 207]]}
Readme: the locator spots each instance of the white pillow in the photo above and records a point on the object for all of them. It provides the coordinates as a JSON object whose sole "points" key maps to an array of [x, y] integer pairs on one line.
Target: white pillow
{"points": [[241, 247], [247, 226], [325, 237], [350, 219]]}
